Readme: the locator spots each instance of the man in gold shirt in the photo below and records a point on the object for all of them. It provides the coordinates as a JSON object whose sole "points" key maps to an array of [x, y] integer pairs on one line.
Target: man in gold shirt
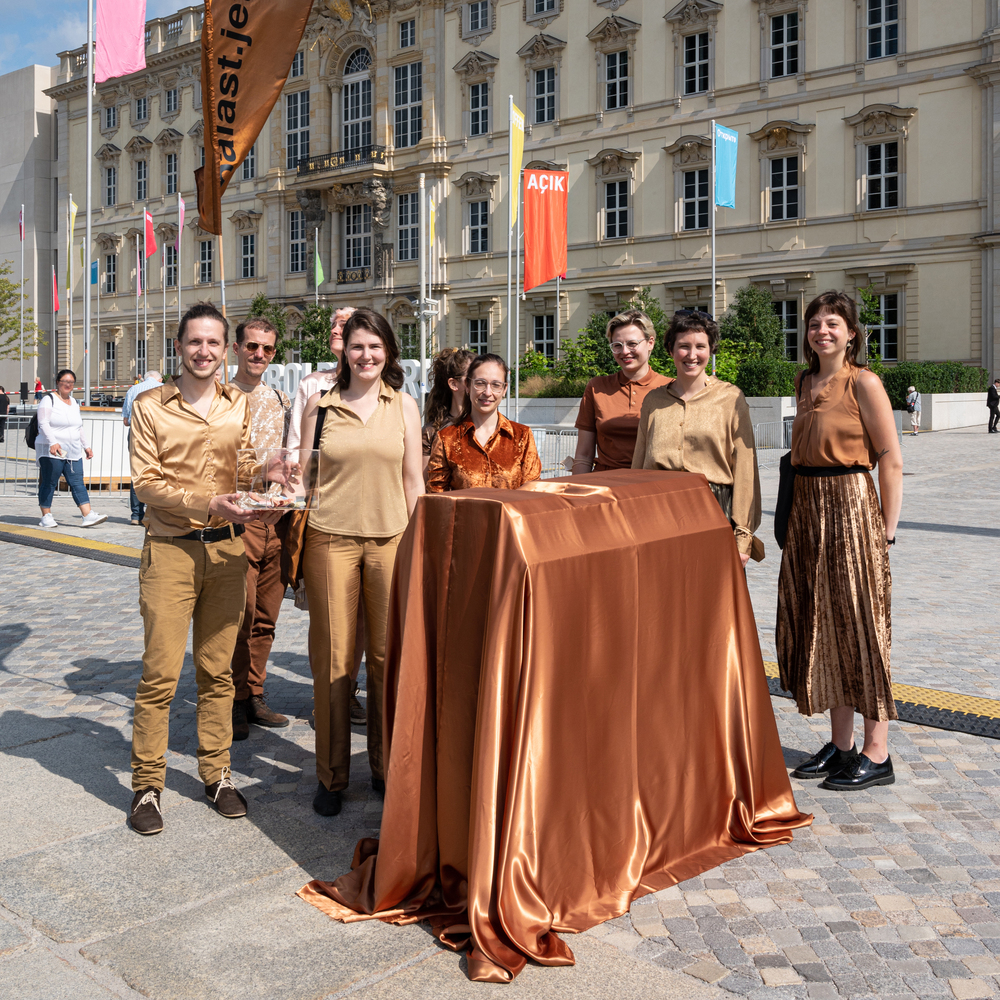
{"points": [[185, 438]]}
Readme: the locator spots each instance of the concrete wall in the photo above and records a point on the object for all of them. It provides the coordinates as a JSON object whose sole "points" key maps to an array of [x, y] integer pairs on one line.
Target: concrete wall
{"points": [[940, 411]]}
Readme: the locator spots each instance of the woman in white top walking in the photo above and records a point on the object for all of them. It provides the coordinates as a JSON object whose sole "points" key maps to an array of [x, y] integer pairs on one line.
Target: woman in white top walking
{"points": [[60, 447]]}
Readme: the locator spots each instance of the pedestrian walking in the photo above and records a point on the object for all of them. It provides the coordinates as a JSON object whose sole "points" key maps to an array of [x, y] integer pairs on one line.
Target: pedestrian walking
{"points": [[61, 446], [834, 628], [4, 408], [39, 389], [993, 402], [913, 408], [186, 436], [256, 343], [149, 381]]}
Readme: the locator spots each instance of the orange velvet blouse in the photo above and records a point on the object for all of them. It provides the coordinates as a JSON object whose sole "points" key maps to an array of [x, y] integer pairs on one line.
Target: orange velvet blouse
{"points": [[459, 462]]}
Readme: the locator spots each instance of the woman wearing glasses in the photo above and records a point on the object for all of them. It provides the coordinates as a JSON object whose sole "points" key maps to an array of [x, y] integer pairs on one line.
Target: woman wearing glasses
{"points": [[609, 411], [60, 446], [697, 423], [483, 448]]}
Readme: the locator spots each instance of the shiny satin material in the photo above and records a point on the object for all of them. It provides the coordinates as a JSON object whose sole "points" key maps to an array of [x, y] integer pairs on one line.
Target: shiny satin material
{"points": [[507, 461], [830, 430], [576, 715]]}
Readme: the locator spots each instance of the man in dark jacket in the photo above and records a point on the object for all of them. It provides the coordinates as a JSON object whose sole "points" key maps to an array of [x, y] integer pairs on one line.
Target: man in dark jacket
{"points": [[993, 402]]}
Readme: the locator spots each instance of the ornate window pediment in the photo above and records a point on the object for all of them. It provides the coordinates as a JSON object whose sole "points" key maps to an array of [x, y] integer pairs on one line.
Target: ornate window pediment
{"points": [[544, 165], [245, 221], [542, 18], [475, 66], [169, 138], [109, 243], [200, 234], [197, 130], [614, 32], [611, 4], [881, 119], [138, 147], [693, 14], [108, 154], [476, 184], [541, 49], [167, 232], [781, 135], [614, 162], [690, 150]]}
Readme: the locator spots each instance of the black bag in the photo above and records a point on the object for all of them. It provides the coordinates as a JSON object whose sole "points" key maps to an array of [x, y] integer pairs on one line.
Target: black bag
{"points": [[910, 407], [786, 493], [31, 431]]}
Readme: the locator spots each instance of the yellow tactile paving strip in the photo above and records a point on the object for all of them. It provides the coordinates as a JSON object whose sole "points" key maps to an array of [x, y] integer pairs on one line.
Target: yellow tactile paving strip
{"points": [[947, 701], [85, 546]]}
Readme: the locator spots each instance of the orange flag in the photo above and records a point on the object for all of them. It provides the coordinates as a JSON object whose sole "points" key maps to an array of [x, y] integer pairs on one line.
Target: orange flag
{"points": [[246, 52], [545, 207]]}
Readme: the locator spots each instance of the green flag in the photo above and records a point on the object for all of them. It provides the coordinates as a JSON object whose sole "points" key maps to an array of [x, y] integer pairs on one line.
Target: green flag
{"points": [[320, 276]]}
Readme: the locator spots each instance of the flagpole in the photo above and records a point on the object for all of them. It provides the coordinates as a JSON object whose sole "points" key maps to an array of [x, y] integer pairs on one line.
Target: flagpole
{"points": [[98, 379], [517, 310], [711, 186], [421, 267], [69, 283], [55, 315], [145, 302], [555, 351], [90, 181], [180, 241], [20, 370], [510, 224], [138, 293], [316, 269], [163, 286]]}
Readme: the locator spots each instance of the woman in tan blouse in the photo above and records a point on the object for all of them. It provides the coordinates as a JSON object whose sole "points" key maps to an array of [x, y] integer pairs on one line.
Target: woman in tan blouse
{"points": [[697, 423], [369, 480], [833, 631]]}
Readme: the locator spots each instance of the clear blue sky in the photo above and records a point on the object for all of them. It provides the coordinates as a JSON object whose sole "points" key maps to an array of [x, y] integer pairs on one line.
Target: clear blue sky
{"points": [[33, 31]]}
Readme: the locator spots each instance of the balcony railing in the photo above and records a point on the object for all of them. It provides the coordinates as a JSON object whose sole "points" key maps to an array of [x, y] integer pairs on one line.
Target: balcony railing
{"points": [[342, 160], [353, 275]]}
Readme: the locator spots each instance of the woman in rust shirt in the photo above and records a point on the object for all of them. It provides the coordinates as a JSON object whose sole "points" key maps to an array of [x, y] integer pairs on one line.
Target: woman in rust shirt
{"points": [[483, 448], [609, 411]]}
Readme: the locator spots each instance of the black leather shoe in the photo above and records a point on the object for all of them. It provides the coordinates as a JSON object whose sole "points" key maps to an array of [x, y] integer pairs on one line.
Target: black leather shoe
{"points": [[828, 761], [359, 716], [241, 725], [326, 803], [378, 786], [860, 772]]}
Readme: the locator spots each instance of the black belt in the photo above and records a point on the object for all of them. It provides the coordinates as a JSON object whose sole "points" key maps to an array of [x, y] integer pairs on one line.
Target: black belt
{"points": [[828, 470], [213, 534]]}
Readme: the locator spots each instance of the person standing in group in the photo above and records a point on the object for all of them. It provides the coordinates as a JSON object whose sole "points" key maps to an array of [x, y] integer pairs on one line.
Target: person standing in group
{"points": [[447, 396], [39, 389], [993, 402], [61, 446], [186, 436], [149, 381], [369, 481], [699, 423], [609, 411], [256, 343], [4, 408], [483, 448], [913, 408], [834, 630]]}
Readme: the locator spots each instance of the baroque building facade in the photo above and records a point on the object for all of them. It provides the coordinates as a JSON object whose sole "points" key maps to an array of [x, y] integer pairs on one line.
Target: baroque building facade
{"points": [[862, 163]]}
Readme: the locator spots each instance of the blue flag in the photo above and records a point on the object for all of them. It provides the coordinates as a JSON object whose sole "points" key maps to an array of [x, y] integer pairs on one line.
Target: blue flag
{"points": [[725, 166], [93, 272]]}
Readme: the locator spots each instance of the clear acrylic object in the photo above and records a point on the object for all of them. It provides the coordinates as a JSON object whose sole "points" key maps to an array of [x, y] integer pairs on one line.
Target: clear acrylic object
{"points": [[277, 478]]}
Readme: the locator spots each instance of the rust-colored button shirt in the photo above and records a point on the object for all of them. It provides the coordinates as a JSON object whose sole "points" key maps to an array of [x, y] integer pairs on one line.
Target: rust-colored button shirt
{"points": [[610, 408], [459, 462], [180, 460]]}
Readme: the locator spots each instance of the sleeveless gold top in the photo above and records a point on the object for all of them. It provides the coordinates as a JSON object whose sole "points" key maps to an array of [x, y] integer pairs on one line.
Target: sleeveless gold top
{"points": [[829, 431]]}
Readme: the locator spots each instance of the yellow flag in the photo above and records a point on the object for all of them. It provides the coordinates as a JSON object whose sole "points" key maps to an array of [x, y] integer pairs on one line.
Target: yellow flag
{"points": [[431, 218], [516, 155], [69, 241]]}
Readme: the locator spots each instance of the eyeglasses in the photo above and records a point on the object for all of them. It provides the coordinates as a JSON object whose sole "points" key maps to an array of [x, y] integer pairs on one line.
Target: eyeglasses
{"points": [[480, 385], [694, 312], [253, 348], [617, 347], [67, 381]]}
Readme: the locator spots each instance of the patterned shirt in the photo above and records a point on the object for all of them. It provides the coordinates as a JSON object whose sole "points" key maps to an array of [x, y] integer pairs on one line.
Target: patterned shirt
{"points": [[269, 409]]}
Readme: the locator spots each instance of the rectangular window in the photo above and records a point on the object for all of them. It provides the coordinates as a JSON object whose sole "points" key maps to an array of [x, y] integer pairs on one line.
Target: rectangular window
{"points": [[479, 109], [409, 340], [883, 28], [886, 333], [479, 336], [170, 265], [298, 65], [541, 6], [616, 79], [788, 312], [141, 180], [696, 199], [171, 173], [111, 186], [409, 106], [696, 63], [170, 362], [357, 236], [205, 262], [296, 242], [250, 164], [545, 336], [170, 101], [545, 95], [140, 356], [110, 274], [785, 45], [357, 114], [479, 226], [248, 255], [111, 117], [616, 210], [296, 128], [784, 188], [109, 361], [407, 34], [141, 109], [479, 16], [409, 226], [883, 175], [143, 272]]}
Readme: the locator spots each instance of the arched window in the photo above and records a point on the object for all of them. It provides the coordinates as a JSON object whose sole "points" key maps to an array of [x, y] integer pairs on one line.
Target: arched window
{"points": [[357, 100]]}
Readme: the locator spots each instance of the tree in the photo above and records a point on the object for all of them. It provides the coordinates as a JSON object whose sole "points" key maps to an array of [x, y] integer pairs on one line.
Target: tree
{"points": [[314, 334], [869, 315], [275, 315], [751, 320], [11, 298]]}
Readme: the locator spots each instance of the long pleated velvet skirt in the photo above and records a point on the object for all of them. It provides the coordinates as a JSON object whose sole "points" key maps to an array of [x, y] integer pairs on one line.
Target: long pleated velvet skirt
{"points": [[834, 627]]}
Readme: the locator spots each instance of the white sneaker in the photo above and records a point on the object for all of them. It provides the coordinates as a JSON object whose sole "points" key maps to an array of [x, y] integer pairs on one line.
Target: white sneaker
{"points": [[48, 521], [92, 519]]}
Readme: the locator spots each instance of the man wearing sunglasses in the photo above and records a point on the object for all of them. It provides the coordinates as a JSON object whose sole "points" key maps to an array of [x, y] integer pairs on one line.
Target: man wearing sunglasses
{"points": [[256, 342]]}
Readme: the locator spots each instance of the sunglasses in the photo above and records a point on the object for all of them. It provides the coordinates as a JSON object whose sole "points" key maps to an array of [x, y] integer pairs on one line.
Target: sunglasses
{"points": [[694, 312], [253, 348]]}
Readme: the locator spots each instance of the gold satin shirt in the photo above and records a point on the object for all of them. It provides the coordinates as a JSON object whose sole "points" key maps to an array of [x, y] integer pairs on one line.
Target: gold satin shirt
{"points": [[710, 433], [180, 460]]}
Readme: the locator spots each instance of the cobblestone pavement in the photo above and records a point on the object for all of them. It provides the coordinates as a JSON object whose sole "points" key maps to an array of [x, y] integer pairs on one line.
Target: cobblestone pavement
{"points": [[893, 892]]}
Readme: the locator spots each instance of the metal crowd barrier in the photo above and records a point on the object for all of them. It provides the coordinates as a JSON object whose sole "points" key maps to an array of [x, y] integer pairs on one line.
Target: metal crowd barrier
{"points": [[555, 445]]}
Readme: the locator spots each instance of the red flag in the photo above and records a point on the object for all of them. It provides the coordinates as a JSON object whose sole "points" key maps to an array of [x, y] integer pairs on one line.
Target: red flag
{"points": [[20, 224], [55, 290], [545, 207], [150, 236]]}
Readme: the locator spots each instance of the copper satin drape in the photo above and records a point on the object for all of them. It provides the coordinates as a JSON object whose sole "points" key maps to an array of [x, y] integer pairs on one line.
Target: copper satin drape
{"points": [[576, 715]]}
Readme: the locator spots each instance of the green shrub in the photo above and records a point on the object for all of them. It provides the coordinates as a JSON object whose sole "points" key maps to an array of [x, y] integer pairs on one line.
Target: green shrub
{"points": [[767, 377], [928, 377], [261, 305], [314, 334], [532, 363], [751, 320], [562, 388]]}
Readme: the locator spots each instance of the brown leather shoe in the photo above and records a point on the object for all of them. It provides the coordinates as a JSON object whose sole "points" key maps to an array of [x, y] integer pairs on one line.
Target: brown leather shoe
{"points": [[241, 726], [259, 714], [145, 812], [359, 717], [227, 797]]}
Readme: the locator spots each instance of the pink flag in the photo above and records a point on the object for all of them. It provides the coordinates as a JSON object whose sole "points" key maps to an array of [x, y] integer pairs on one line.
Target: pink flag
{"points": [[180, 222], [150, 236], [20, 224], [121, 38]]}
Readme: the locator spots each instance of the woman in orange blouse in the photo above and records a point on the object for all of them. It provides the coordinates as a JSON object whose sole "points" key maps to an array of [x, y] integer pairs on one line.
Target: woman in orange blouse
{"points": [[483, 448]]}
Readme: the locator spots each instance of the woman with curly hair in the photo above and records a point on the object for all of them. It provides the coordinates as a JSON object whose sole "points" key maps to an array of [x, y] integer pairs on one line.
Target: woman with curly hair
{"points": [[447, 396]]}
